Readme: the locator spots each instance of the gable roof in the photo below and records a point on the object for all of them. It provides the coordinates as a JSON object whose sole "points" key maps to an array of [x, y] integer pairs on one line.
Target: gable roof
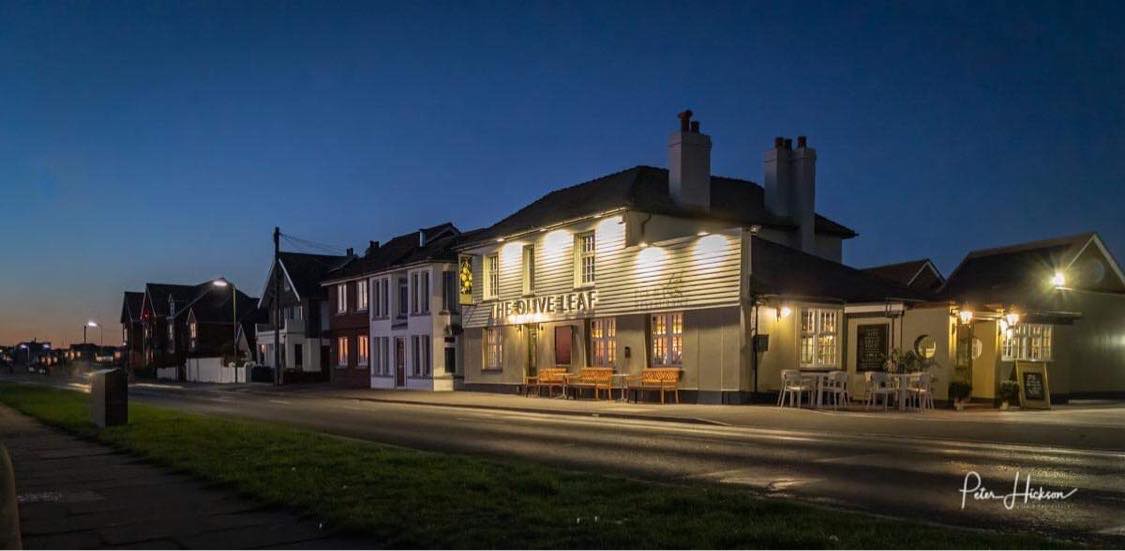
{"points": [[784, 271], [405, 249], [1021, 274], [131, 306], [157, 294], [645, 188], [213, 305], [304, 272], [912, 273]]}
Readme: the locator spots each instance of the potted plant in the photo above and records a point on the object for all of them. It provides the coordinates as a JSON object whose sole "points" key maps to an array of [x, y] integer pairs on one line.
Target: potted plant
{"points": [[1009, 393], [959, 392]]}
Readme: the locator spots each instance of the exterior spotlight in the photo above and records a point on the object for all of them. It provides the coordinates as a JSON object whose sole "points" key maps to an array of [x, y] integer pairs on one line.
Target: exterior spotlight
{"points": [[643, 244], [1058, 280], [1012, 318], [499, 239], [702, 233], [966, 317]]}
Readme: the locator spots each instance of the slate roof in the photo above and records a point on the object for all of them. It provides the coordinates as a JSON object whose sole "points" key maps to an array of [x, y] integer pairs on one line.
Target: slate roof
{"points": [[213, 304], [1021, 274], [405, 249], [645, 188], [306, 271], [784, 271], [131, 306]]}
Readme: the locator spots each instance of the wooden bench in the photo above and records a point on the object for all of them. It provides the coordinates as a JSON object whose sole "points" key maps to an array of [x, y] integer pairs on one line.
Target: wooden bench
{"points": [[549, 378], [656, 379], [594, 378]]}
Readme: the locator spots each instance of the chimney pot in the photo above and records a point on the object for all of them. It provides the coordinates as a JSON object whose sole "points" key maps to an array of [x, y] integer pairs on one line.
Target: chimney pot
{"points": [[695, 127], [788, 143], [685, 120], [351, 251], [802, 142], [779, 142]]}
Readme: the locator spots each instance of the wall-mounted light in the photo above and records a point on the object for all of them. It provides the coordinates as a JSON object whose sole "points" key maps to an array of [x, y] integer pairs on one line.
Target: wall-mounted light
{"points": [[499, 239], [784, 312], [1012, 318], [643, 245], [701, 233], [966, 316], [1058, 280]]}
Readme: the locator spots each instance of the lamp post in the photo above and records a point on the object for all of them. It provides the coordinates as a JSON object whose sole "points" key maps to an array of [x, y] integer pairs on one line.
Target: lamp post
{"points": [[89, 324], [234, 311]]}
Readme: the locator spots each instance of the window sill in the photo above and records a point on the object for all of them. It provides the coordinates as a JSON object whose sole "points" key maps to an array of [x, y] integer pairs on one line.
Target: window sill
{"points": [[491, 370]]}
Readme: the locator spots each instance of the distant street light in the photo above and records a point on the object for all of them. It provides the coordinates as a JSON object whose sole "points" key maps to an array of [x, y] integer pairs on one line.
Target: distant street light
{"points": [[92, 323], [234, 312]]}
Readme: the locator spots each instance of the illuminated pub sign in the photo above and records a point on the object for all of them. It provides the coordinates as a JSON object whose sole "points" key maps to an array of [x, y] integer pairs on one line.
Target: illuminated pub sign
{"points": [[465, 279], [534, 309]]}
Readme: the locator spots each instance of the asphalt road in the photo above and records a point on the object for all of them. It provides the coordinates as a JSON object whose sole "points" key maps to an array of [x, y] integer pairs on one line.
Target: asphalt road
{"points": [[918, 477]]}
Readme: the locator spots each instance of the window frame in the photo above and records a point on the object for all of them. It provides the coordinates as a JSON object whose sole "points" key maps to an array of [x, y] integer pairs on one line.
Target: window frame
{"points": [[362, 296], [342, 352], [585, 259], [493, 341], [603, 342], [1028, 342], [490, 269], [528, 269], [666, 334], [341, 298], [812, 355], [363, 350]]}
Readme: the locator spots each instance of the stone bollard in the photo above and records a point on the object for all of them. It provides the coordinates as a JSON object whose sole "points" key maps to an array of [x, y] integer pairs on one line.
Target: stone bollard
{"points": [[109, 397]]}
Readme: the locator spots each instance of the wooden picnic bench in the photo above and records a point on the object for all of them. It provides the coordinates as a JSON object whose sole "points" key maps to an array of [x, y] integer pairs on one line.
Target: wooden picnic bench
{"points": [[655, 379], [593, 378], [549, 378]]}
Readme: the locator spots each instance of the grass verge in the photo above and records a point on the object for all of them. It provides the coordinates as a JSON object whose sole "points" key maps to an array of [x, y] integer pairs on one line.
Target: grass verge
{"points": [[408, 498]]}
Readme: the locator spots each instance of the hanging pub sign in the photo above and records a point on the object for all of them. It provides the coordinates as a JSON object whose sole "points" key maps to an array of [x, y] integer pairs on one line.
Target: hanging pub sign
{"points": [[871, 344], [1035, 392], [465, 279]]}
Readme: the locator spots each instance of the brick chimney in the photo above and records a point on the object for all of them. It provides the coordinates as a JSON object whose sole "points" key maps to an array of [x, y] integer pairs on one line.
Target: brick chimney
{"points": [[790, 185], [689, 165]]}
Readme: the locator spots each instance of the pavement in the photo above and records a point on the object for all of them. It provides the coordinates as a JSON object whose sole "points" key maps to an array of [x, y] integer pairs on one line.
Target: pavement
{"points": [[905, 465], [74, 494]]}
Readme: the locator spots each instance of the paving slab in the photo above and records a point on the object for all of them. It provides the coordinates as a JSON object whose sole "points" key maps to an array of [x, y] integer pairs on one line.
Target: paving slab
{"points": [[78, 494]]}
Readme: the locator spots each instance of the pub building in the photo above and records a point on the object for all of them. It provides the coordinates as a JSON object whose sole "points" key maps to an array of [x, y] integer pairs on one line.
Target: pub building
{"points": [[671, 268], [731, 282]]}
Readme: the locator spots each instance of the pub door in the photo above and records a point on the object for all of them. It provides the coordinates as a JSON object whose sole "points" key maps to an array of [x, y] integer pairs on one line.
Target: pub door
{"points": [[400, 362], [532, 350]]}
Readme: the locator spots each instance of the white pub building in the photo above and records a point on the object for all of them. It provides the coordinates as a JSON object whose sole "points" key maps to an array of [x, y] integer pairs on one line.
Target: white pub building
{"points": [[653, 268]]}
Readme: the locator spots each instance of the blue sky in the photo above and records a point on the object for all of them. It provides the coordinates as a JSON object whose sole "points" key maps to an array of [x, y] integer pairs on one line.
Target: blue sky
{"points": [[162, 141]]}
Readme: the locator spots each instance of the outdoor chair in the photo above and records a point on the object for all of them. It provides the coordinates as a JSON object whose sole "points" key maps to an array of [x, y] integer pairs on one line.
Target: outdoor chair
{"points": [[837, 388], [793, 385], [921, 392], [878, 384]]}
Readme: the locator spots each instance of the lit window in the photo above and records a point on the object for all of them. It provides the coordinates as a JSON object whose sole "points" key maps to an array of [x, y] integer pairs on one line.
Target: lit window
{"points": [[341, 298], [585, 248], [819, 330], [668, 338], [603, 341], [1027, 342], [342, 352], [491, 276], [361, 296], [528, 269], [493, 348], [363, 350]]}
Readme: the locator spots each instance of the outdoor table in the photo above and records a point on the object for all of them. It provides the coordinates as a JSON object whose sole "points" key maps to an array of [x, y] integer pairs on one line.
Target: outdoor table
{"points": [[902, 387], [620, 382], [820, 379]]}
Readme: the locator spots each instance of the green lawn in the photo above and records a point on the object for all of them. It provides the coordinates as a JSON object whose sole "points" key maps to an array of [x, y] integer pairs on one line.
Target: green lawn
{"points": [[407, 498]]}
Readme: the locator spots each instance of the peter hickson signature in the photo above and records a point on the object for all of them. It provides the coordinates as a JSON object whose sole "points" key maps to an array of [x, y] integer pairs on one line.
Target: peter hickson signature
{"points": [[975, 488]]}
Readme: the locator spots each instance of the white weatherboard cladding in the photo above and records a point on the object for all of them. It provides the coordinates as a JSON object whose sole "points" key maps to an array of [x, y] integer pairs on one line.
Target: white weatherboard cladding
{"points": [[687, 273]]}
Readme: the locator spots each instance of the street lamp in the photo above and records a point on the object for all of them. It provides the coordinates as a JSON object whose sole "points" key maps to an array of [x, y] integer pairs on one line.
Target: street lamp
{"points": [[92, 323], [234, 311]]}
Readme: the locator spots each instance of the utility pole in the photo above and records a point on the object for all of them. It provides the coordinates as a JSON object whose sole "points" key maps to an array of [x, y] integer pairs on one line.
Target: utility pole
{"points": [[277, 367]]}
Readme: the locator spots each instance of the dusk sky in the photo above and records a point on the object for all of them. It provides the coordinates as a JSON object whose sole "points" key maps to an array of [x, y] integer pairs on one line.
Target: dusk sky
{"points": [[163, 141]]}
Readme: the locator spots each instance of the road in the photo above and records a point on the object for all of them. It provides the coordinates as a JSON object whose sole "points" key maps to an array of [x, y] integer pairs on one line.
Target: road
{"points": [[918, 477]]}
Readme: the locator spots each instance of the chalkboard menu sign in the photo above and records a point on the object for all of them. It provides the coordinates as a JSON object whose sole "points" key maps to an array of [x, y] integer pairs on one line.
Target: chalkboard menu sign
{"points": [[1035, 389], [871, 343]]}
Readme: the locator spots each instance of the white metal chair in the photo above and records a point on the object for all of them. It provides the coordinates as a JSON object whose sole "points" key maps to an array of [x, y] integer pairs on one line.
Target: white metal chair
{"points": [[921, 392], [878, 384], [793, 385], [836, 387]]}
